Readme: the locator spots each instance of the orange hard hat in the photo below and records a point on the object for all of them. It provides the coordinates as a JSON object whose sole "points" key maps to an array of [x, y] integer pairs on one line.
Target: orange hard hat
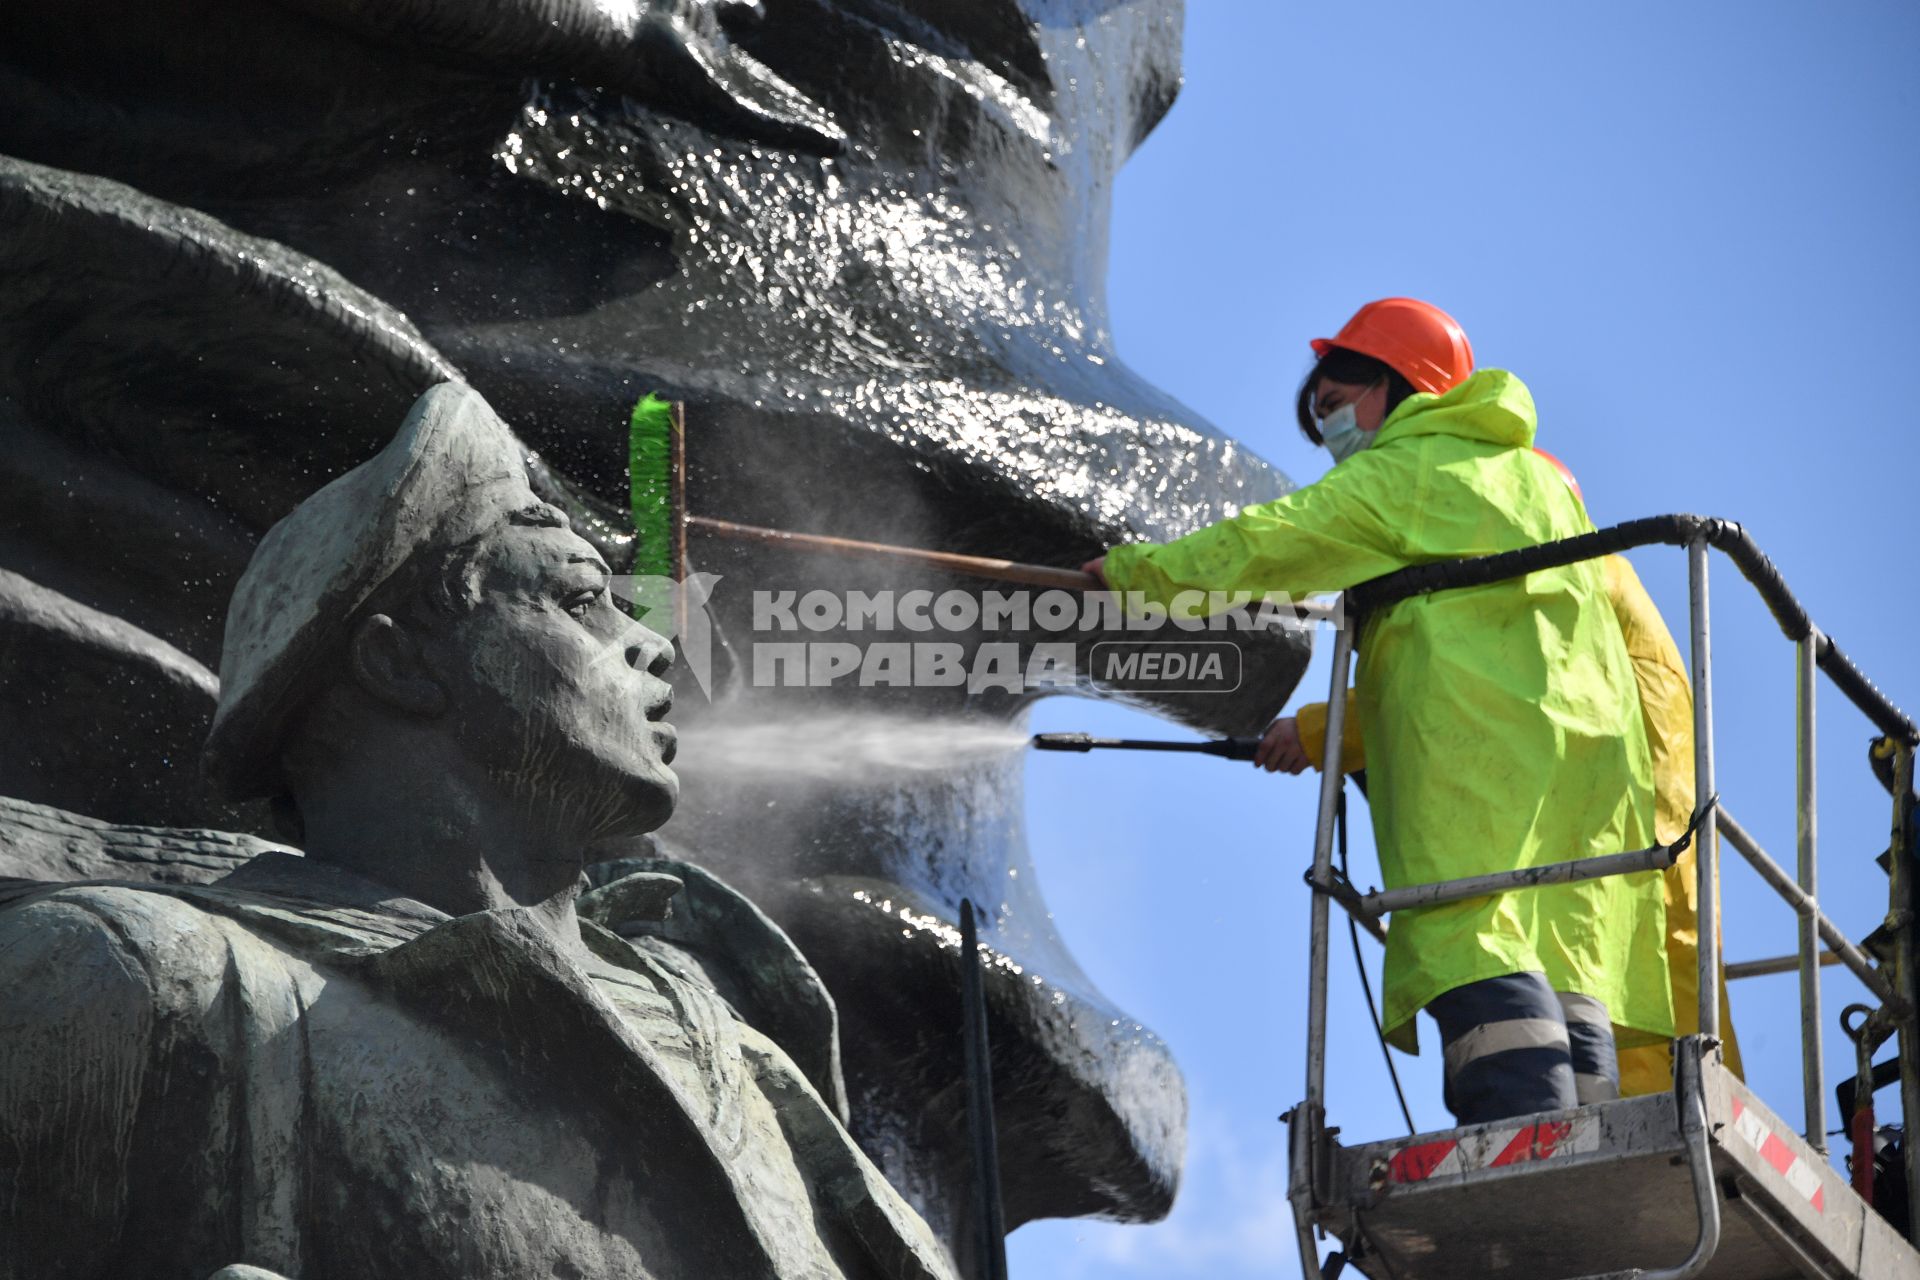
{"points": [[1417, 340], [1566, 473]]}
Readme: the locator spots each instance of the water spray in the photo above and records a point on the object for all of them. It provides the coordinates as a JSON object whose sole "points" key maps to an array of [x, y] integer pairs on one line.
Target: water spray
{"points": [[848, 748]]}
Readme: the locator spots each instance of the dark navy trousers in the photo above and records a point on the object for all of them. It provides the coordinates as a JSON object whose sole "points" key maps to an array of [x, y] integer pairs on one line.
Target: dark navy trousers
{"points": [[1515, 1046]]}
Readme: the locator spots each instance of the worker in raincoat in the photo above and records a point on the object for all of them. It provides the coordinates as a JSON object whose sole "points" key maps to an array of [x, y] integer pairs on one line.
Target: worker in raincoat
{"points": [[1666, 713], [1504, 727]]}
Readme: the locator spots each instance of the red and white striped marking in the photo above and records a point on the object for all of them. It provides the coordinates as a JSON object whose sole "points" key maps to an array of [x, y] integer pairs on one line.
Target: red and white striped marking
{"points": [[1493, 1148], [1799, 1174]]}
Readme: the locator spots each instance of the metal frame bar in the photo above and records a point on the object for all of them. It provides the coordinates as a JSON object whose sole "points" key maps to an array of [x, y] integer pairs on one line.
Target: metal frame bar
{"points": [[1783, 884], [1815, 652], [1690, 1101], [1900, 917], [1778, 1236], [1382, 902], [1308, 1118], [1772, 964], [1301, 1137], [1813, 1084], [1355, 903], [1331, 780], [1706, 858]]}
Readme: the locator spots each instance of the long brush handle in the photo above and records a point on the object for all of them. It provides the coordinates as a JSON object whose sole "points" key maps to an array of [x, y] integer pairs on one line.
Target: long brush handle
{"points": [[657, 463], [677, 473], [1032, 575]]}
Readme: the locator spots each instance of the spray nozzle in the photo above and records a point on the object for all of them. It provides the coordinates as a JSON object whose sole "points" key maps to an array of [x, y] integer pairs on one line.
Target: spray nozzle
{"points": [[1226, 748]]}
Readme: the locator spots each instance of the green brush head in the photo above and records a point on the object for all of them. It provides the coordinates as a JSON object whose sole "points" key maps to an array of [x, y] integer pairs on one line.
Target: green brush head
{"points": [[650, 468]]}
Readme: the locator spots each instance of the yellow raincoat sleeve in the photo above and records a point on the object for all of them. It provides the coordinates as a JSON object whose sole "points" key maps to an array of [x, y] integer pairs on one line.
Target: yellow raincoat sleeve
{"points": [[1666, 709], [1327, 536], [1312, 722], [1666, 696]]}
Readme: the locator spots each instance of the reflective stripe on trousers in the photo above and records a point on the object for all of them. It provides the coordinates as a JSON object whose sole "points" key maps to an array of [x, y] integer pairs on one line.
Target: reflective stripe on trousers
{"points": [[1515, 1046]]}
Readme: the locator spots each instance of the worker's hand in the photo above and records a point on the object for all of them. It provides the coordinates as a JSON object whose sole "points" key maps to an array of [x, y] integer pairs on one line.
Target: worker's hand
{"points": [[1280, 747], [1098, 568]]}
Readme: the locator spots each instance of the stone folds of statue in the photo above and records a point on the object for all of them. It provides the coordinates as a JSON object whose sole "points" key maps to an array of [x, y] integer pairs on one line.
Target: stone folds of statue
{"points": [[862, 241]]}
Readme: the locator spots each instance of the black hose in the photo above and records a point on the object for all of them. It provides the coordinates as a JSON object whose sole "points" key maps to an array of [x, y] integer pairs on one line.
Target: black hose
{"points": [[1675, 530], [1360, 964]]}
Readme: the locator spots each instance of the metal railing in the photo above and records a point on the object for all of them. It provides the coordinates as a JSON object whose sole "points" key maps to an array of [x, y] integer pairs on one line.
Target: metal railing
{"points": [[1311, 1146]]}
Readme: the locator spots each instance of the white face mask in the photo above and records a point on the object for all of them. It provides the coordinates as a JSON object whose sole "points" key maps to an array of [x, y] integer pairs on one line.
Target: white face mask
{"points": [[1342, 436]]}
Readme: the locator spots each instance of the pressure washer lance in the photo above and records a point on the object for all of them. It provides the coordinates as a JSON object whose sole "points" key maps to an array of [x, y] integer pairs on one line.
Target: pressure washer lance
{"points": [[1225, 748]]}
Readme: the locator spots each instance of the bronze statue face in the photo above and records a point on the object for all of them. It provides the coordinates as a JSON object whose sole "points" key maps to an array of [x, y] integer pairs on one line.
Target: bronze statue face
{"points": [[556, 690]]}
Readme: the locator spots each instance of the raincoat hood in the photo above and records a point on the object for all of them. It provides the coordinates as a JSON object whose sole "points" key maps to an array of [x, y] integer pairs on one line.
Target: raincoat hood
{"points": [[1492, 406]]}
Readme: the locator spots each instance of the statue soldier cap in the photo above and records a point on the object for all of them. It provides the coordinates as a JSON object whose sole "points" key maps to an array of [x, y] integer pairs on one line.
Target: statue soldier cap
{"points": [[453, 471]]}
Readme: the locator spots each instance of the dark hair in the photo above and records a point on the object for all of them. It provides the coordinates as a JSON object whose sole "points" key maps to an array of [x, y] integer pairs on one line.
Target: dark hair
{"points": [[1342, 365]]}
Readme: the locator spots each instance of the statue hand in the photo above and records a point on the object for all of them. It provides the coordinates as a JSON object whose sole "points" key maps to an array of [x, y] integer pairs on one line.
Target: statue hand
{"points": [[631, 904]]}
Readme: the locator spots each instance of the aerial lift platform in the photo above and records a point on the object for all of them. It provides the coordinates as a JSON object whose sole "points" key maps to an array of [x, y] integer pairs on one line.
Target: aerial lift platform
{"points": [[1608, 1190], [1705, 1180]]}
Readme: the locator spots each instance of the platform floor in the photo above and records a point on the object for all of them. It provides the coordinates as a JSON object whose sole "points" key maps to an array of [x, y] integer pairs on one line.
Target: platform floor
{"points": [[1606, 1188]]}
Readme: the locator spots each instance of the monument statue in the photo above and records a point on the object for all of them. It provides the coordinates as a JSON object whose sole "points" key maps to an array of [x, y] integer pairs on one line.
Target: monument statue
{"points": [[863, 241], [413, 1051]]}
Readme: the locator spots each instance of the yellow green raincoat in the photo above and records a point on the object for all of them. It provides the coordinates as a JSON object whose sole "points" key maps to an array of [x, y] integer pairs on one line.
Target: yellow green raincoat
{"points": [[1504, 726], [1666, 711]]}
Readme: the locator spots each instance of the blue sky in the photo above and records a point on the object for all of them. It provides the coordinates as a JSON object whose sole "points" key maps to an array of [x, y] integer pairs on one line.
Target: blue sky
{"points": [[1691, 229]]}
